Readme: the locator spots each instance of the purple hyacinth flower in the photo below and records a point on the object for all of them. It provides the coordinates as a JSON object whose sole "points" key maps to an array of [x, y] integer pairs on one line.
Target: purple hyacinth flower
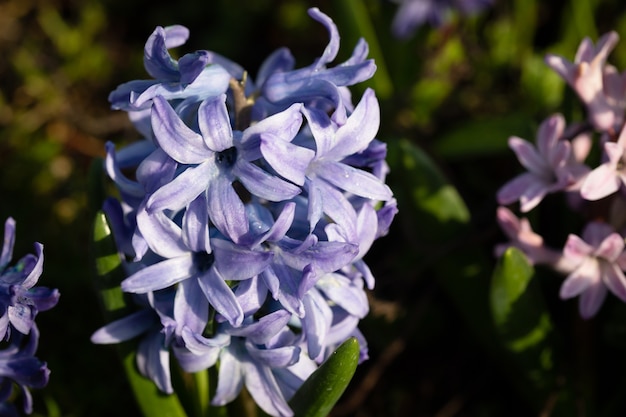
{"points": [[216, 158], [189, 78], [20, 299], [184, 260], [318, 86], [19, 366], [256, 350], [551, 166], [599, 260], [328, 177]]}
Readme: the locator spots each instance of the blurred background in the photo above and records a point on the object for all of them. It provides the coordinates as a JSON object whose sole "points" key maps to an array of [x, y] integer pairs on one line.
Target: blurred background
{"points": [[450, 98]]}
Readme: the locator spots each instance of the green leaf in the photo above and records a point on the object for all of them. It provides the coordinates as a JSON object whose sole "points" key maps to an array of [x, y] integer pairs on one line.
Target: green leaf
{"points": [[436, 210], [522, 321], [319, 393], [109, 274]]}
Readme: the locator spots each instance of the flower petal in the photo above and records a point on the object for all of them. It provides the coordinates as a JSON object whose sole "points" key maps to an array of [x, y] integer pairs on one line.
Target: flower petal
{"points": [[353, 180], [214, 123], [221, 296], [174, 137], [160, 275], [600, 182]]}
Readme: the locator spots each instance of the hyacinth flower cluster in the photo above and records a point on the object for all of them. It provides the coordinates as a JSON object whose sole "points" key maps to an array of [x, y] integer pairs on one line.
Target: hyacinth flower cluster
{"points": [[20, 301], [593, 260], [245, 213], [412, 14]]}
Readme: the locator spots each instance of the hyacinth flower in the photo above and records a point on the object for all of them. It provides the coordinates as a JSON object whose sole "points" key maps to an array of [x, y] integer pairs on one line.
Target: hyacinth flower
{"points": [[189, 77], [21, 301], [599, 86], [609, 176], [245, 215], [599, 261], [317, 85], [551, 166], [412, 14]]}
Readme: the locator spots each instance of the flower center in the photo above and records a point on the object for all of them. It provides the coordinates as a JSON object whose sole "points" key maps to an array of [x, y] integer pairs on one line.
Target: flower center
{"points": [[203, 261], [227, 157]]}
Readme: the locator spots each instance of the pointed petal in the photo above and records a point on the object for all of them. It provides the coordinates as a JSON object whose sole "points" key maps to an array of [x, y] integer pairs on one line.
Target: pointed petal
{"points": [[161, 234], [586, 275], [279, 357], [183, 189], [515, 188], [174, 137], [353, 180], [261, 384], [613, 277], [360, 128], [125, 328], [549, 133], [160, 275], [226, 210], [34, 274], [339, 290], [157, 60], [229, 379], [214, 123], [600, 182], [237, 263], [261, 331], [262, 184], [611, 247], [191, 308], [528, 156], [288, 160], [8, 243], [591, 300], [221, 296], [196, 225], [316, 322], [153, 361]]}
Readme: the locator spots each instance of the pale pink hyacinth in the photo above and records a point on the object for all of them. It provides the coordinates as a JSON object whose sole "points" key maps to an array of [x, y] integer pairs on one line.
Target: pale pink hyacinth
{"points": [[520, 234], [552, 166], [599, 260], [608, 177], [599, 86]]}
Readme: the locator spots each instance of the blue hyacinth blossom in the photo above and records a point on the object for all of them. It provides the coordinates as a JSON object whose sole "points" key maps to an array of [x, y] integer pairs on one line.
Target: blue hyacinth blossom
{"points": [[20, 301]]}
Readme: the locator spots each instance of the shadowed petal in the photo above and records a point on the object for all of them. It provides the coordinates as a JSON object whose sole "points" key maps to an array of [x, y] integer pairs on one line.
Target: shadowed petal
{"points": [[229, 379], [261, 384], [125, 328], [221, 296], [614, 279], [262, 184], [591, 300], [237, 263], [226, 210]]}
